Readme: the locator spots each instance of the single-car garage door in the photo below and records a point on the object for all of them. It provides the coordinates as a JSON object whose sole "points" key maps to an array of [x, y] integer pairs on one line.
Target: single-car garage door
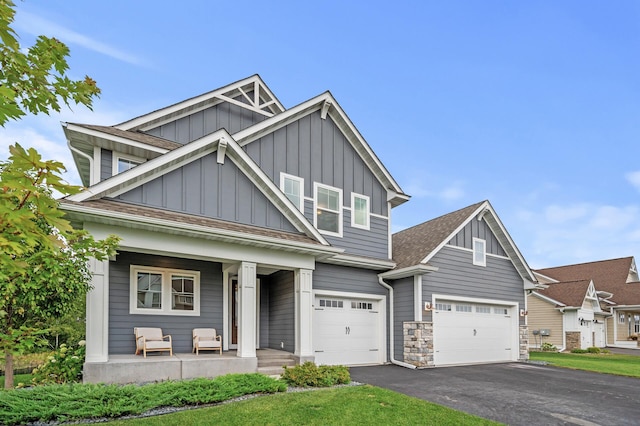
{"points": [[467, 332], [347, 330]]}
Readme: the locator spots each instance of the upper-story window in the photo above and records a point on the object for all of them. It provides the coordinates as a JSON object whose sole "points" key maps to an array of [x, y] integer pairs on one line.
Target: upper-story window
{"points": [[328, 209], [359, 211], [293, 188], [479, 252], [122, 163]]}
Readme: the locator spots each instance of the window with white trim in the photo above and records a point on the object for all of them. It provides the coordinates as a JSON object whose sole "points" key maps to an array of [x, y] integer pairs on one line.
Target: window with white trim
{"points": [[621, 318], [330, 303], [359, 211], [463, 308], [122, 163], [293, 188], [328, 209], [479, 252], [161, 291], [481, 309], [636, 323], [443, 307], [501, 311]]}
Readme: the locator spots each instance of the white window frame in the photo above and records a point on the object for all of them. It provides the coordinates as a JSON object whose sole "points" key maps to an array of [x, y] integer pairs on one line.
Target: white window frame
{"points": [[476, 251], [367, 224], [166, 291], [283, 177], [117, 156], [622, 318], [317, 186]]}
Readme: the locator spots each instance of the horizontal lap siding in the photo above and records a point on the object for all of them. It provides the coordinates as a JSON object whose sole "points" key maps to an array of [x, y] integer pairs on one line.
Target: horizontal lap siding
{"points": [[206, 188], [458, 276], [344, 278], [281, 311], [543, 315], [121, 323], [403, 302], [233, 118]]}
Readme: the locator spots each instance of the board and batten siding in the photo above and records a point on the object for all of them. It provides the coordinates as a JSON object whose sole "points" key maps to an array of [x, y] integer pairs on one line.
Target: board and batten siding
{"points": [[317, 151], [403, 310], [205, 188], [227, 116], [121, 322], [544, 315], [281, 311], [478, 229], [458, 276], [106, 164], [370, 242]]}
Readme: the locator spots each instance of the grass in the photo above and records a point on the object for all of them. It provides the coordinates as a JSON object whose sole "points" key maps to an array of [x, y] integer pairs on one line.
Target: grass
{"points": [[18, 378], [620, 365], [353, 405]]}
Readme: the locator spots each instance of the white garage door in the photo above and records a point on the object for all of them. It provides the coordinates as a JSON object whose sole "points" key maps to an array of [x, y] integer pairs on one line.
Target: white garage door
{"points": [[467, 333], [346, 331]]}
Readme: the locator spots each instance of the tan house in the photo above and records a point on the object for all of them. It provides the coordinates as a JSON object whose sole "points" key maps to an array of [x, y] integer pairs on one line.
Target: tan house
{"points": [[617, 286], [567, 315]]}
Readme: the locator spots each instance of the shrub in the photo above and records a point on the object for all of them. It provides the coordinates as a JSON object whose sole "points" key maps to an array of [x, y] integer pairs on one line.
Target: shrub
{"points": [[579, 351], [594, 350], [62, 366], [548, 347], [310, 375]]}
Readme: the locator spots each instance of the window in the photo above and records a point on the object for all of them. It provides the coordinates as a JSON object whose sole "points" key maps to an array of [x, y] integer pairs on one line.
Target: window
{"points": [[636, 324], [359, 211], [479, 252], [329, 303], [328, 208], [361, 305], [621, 319], [463, 308], [123, 163], [500, 311], [159, 291], [443, 307], [483, 309], [293, 188]]}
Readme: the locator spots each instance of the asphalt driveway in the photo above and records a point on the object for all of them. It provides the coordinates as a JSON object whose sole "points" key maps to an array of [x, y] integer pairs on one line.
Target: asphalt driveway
{"points": [[517, 393]]}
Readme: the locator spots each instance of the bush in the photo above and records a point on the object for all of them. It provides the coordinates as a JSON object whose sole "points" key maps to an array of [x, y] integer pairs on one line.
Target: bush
{"points": [[310, 375], [548, 347], [579, 351], [62, 366], [594, 350]]}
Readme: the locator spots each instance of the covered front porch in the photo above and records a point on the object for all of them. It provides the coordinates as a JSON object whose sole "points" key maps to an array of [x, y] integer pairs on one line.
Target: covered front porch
{"points": [[624, 328]]}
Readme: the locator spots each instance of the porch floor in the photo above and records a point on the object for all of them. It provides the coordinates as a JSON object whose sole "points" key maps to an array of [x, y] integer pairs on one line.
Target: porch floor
{"points": [[130, 368]]}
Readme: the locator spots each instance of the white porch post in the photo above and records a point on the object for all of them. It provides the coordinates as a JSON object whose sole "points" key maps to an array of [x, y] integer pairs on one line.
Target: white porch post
{"points": [[97, 325], [304, 313], [417, 298], [247, 310]]}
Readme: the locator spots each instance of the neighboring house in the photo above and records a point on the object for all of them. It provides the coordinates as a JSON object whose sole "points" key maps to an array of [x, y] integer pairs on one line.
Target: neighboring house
{"points": [[272, 225], [566, 315], [459, 291], [617, 285]]}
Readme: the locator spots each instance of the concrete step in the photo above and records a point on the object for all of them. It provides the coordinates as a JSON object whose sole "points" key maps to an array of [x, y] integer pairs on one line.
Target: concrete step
{"points": [[267, 353], [270, 371], [276, 362]]}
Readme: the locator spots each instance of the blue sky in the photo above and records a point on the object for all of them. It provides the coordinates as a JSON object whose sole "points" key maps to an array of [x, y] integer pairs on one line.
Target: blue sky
{"points": [[532, 105]]}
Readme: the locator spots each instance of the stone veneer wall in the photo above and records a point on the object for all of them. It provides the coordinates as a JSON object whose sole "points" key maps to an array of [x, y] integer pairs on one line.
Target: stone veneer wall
{"points": [[418, 343], [524, 343], [573, 340]]}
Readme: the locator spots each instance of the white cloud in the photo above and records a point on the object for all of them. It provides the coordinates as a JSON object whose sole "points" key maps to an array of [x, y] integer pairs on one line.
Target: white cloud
{"points": [[35, 25], [634, 179], [418, 188], [562, 214]]}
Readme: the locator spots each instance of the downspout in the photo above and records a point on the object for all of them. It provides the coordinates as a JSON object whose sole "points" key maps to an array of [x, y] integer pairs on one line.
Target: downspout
{"points": [[87, 156], [392, 355]]}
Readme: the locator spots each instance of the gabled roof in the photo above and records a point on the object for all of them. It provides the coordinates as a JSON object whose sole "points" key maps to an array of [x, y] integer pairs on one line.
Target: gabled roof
{"points": [[568, 293], [253, 92], [610, 275], [418, 244], [220, 142]]}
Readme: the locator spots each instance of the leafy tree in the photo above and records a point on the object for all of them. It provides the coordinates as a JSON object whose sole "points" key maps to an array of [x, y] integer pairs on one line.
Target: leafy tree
{"points": [[43, 260]]}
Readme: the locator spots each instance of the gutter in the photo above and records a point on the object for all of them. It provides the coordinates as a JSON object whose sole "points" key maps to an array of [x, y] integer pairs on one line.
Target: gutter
{"points": [[391, 355]]}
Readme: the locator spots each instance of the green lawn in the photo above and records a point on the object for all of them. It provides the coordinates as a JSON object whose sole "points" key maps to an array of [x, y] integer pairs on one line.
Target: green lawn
{"points": [[18, 378], [621, 365], [344, 406]]}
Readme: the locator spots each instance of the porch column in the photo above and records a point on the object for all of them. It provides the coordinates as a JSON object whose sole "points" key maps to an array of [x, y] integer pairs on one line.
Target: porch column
{"points": [[304, 313], [97, 322], [247, 310]]}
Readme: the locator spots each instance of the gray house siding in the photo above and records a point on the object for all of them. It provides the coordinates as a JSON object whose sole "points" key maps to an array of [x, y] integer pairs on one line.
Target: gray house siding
{"points": [[403, 303], [106, 164], [281, 311], [458, 276], [264, 313], [345, 278], [478, 229], [206, 188], [361, 242], [227, 116], [121, 322]]}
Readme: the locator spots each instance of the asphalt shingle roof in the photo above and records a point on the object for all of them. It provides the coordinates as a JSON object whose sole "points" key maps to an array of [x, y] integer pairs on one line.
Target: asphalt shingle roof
{"points": [[135, 136], [570, 293]]}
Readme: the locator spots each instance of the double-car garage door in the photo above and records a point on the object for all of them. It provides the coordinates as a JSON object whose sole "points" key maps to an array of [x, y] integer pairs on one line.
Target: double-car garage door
{"points": [[348, 330], [469, 332]]}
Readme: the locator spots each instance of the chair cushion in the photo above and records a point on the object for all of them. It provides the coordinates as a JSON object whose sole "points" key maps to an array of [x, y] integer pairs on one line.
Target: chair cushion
{"points": [[204, 333], [155, 344], [149, 333], [208, 344]]}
